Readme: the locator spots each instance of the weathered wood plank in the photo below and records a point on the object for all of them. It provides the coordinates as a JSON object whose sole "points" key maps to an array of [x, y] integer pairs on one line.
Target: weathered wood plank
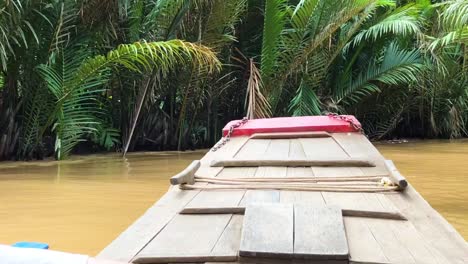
{"points": [[345, 212], [277, 149], [267, 231], [216, 198], [136, 236], [253, 148], [127, 245], [322, 148], [183, 258], [187, 175], [186, 235], [296, 151], [346, 162], [325, 239], [306, 197], [363, 246], [229, 242], [265, 196], [395, 175], [290, 135], [356, 145], [444, 241]]}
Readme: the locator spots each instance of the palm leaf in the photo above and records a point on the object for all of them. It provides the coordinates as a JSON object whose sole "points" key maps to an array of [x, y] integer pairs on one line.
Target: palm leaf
{"points": [[275, 19], [305, 102], [256, 103], [77, 81], [397, 66]]}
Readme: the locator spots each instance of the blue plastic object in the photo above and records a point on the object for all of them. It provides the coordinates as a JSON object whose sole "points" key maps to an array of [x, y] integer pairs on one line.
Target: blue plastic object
{"points": [[31, 245]]}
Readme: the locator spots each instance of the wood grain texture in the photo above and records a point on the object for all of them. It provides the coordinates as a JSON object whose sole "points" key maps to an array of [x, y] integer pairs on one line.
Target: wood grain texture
{"points": [[345, 212], [190, 235], [267, 231], [322, 148], [425, 238], [348, 162], [127, 245], [319, 233], [136, 236], [290, 135], [187, 175], [395, 175], [356, 145]]}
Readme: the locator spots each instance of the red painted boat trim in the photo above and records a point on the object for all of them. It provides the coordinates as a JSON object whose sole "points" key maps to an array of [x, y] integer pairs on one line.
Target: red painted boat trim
{"points": [[292, 124]]}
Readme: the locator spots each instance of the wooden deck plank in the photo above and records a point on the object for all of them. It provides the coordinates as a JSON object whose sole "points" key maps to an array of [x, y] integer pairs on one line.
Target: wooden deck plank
{"points": [[297, 197], [266, 196], [325, 239], [296, 151], [322, 148], [217, 198], [410, 238], [356, 145], [136, 236], [267, 231], [425, 238], [229, 241], [186, 235], [446, 242], [395, 251], [363, 247], [127, 245], [253, 148], [289, 135], [277, 149]]}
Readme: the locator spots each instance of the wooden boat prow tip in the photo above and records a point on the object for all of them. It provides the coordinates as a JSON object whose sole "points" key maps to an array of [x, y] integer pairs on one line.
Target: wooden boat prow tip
{"points": [[297, 190]]}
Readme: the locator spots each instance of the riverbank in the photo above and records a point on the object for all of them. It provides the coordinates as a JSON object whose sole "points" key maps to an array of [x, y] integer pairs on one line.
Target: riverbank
{"points": [[82, 204]]}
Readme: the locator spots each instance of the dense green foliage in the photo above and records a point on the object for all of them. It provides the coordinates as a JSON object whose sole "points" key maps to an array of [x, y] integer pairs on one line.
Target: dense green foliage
{"points": [[90, 75]]}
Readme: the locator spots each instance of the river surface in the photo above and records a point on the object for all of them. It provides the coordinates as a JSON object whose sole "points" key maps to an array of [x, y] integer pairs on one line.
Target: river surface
{"points": [[82, 204]]}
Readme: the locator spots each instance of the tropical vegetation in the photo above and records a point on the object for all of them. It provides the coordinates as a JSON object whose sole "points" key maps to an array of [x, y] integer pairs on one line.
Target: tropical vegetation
{"points": [[124, 75]]}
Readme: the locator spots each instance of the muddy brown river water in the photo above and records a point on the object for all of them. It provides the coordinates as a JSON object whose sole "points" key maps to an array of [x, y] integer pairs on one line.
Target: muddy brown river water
{"points": [[82, 204]]}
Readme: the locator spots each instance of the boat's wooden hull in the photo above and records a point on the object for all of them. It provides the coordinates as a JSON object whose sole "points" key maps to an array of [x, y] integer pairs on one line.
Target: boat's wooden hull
{"points": [[164, 235]]}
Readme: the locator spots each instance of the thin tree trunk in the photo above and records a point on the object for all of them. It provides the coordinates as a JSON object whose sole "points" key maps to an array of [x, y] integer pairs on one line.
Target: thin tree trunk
{"points": [[136, 115]]}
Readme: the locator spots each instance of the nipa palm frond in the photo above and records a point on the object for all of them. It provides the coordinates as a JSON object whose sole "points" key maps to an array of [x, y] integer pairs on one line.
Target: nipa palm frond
{"points": [[275, 19], [306, 102], [256, 103], [401, 22], [220, 24], [76, 81], [396, 67]]}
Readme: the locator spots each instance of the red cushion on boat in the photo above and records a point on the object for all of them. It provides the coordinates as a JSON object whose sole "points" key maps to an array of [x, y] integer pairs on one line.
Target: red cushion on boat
{"points": [[293, 124]]}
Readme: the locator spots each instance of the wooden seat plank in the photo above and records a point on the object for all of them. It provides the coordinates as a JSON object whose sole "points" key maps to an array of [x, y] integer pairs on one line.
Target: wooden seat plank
{"points": [[319, 233], [267, 231]]}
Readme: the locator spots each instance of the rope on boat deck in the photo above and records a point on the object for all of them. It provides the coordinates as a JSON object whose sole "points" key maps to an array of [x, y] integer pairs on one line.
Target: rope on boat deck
{"points": [[326, 184]]}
